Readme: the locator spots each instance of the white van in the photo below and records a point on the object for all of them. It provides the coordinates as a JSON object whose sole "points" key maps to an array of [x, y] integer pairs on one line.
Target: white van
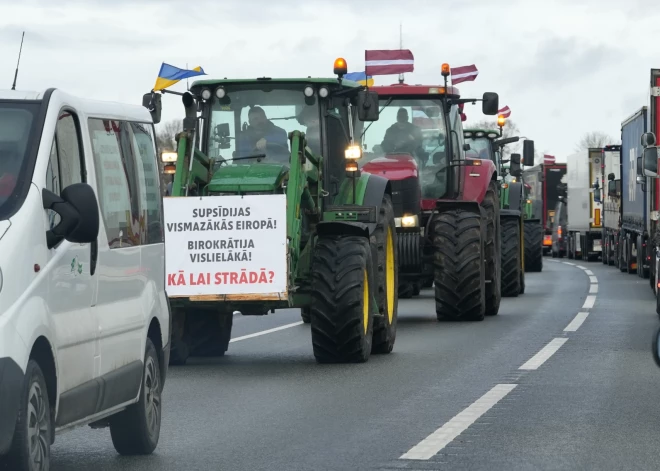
{"points": [[84, 317]]}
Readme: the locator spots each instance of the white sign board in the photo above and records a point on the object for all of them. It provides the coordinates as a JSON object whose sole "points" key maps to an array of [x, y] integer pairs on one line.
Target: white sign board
{"points": [[217, 245]]}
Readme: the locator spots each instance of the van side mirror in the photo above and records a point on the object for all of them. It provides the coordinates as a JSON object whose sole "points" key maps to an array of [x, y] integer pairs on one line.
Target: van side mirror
{"points": [[611, 177], [151, 101], [611, 188], [79, 214], [367, 104], [650, 161], [514, 168], [490, 103], [528, 153], [648, 139]]}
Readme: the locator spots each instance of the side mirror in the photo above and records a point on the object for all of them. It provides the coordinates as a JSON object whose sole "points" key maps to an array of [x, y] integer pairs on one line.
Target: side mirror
{"points": [[367, 103], [79, 214], [528, 153], [650, 161], [514, 169], [151, 101], [466, 147], [490, 104], [610, 177], [190, 107], [222, 136], [648, 139], [611, 188]]}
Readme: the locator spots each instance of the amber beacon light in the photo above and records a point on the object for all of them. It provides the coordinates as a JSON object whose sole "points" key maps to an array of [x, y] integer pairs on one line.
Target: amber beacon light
{"points": [[340, 67], [445, 70]]}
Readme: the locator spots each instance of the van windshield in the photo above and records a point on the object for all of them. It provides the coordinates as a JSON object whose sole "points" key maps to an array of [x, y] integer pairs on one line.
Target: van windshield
{"points": [[17, 121]]}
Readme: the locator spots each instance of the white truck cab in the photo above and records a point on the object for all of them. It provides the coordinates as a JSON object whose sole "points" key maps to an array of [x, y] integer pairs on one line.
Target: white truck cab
{"points": [[84, 317]]}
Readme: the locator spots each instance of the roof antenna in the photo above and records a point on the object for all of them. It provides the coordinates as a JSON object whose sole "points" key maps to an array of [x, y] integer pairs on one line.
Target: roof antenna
{"points": [[400, 47], [187, 84], [13, 87]]}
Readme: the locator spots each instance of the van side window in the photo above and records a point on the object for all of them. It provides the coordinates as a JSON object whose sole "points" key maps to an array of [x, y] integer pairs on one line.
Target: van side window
{"points": [[149, 181], [117, 201], [53, 182]]}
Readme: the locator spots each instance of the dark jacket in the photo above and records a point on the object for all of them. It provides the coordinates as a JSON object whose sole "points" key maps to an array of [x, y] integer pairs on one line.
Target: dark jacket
{"points": [[276, 142]]}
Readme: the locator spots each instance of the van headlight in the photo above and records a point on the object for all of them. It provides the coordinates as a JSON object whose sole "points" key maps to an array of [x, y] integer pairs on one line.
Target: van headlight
{"points": [[408, 220]]}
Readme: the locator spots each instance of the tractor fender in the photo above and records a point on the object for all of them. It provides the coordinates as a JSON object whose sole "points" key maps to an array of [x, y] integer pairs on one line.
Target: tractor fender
{"points": [[515, 196], [376, 188], [476, 180], [343, 228], [532, 220], [510, 213]]}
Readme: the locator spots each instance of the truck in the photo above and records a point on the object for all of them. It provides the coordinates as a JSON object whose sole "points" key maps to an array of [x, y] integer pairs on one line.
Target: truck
{"points": [[584, 204], [334, 255], [451, 234], [611, 173], [633, 235], [543, 180]]}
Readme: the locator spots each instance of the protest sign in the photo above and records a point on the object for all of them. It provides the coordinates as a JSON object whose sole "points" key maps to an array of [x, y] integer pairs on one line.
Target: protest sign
{"points": [[225, 245]]}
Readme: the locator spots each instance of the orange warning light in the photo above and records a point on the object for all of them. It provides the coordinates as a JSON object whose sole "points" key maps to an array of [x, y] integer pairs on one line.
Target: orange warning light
{"points": [[445, 70], [340, 66]]}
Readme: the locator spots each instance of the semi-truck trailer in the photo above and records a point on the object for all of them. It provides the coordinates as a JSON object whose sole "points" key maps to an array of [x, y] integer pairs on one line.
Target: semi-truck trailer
{"points": [[611, 173]]}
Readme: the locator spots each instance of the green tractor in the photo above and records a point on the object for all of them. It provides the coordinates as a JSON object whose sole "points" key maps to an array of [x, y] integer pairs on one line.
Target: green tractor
{"points": [[488, 144], [341, 266]]}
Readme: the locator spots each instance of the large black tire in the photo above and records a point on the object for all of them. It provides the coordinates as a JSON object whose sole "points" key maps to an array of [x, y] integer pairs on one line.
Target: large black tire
{"points": [[460, 282], [208, 333], [179, 350], [405, 290], [136, 429], [533, 246], [522, 281], [417, 288], [384, 238], [492, 249], [305, 314], [510, 257], [34, 414], [343, 286]]}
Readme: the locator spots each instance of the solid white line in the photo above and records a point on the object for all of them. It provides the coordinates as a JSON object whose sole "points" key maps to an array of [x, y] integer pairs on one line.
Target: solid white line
{"points": [[576, 322], [264, 332], [589, 302], [593, 288], [581, 267], [569, 263], [593, 279], [589, 272], [543, 355], [443, 436]]}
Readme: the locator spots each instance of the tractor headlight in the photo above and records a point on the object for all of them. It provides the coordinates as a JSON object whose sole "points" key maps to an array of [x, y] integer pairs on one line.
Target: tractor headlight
{"points": [[353, 152], [220, 93], [168, 157], [409, 220], [206, 94]]}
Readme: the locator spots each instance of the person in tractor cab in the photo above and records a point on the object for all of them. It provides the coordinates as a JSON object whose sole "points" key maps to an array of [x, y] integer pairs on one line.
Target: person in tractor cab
{"points": [[309, 117], [403, 136], [263, 137]]}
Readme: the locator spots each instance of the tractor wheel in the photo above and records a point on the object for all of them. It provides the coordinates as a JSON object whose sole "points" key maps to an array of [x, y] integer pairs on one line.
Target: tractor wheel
{"points": [[208, 333], [492, 248], [179, 350], [305, 314], [460, 282], [428, 283], [343, 286], [522, 282], [510, 257], [533, 247], [417, 288], [405, 290], [384, 238]]}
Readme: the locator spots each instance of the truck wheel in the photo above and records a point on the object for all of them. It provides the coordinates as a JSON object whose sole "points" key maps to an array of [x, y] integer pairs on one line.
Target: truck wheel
{"points": [[428, 283], [417, 288], [405, 290], [492, 247], [460, 282], [343, 284], [208, 333], [136, 429], [533, 247], [305, 314], [522, 281], [179, 350], [30, 448], [510, 257], [384, 238]]}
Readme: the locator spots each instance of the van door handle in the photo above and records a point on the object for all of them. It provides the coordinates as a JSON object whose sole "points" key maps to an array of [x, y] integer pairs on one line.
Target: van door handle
{"points": [[94, 253]]}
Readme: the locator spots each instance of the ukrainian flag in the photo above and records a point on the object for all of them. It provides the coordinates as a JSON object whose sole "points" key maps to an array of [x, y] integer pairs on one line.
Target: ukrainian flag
{"points": [[361, 78], [169, 75]]}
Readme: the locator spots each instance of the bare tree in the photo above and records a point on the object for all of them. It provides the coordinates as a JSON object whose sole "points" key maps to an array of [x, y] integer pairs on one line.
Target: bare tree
{"points": [[595, 139], [510, 129], [165, 139]]}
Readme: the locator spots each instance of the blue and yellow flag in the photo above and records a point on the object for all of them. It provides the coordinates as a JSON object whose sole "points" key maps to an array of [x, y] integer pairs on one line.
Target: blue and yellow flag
{"points": [[361, 78], [169, 75]]}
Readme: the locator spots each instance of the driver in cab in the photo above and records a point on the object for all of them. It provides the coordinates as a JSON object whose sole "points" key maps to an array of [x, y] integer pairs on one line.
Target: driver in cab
{"points": [[263, 137], [403, 136]]}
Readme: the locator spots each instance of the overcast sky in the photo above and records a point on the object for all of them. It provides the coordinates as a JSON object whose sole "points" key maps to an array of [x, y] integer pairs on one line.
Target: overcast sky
{"points": [[564, 67]]}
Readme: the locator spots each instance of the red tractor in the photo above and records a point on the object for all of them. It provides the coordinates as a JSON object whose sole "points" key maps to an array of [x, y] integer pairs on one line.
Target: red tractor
{"points": [[446, 206]]}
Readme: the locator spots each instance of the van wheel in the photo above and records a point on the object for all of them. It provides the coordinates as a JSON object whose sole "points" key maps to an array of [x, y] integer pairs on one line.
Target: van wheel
{"points": [[135, 430], [30, 449]]}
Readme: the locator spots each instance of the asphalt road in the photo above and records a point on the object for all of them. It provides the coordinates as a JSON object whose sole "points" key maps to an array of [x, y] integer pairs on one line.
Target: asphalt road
{"points": [[516, 391]]}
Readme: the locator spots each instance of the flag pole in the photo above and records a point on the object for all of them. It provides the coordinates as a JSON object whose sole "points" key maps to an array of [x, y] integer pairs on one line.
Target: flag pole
{"points": [[400, 47]]}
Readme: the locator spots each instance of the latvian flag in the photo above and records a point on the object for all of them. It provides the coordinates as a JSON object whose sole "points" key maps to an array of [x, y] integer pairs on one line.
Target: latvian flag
{"points": [[388, 62], [506, 112], [467, 73], [548, 159]]}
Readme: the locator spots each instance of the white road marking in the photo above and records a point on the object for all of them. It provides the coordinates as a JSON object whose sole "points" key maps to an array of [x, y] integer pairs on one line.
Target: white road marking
{"points": [[569, 263], [589, 272], [576, 322], [593, 288], [264, 332], [544, 354], [589, 302], [593, 279], [581, 267], [443, 436]]}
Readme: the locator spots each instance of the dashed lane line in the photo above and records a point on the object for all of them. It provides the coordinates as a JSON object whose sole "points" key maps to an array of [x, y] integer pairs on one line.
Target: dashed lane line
{"points": [[576, 322], [544, 354], [264, 332], [593, 288], [589, 302]]}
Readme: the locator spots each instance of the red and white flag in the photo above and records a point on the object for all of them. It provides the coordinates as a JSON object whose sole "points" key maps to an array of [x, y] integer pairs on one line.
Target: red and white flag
{"points": [[506, 112], [388, 62], [467, 73], [548, 159]]}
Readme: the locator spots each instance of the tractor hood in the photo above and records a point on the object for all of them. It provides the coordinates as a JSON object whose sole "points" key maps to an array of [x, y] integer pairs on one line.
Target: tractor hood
{"points": [[393, 167], [259, 177]]}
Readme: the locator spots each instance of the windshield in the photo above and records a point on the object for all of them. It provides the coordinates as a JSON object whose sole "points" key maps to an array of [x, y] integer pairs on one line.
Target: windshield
{"points": [[249, 123], [480, 148], [16, 126]]}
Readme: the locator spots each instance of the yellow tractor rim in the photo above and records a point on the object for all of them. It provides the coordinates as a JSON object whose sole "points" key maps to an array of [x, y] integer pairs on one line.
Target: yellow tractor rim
{"points": [[365, 302], [389, 274]]}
